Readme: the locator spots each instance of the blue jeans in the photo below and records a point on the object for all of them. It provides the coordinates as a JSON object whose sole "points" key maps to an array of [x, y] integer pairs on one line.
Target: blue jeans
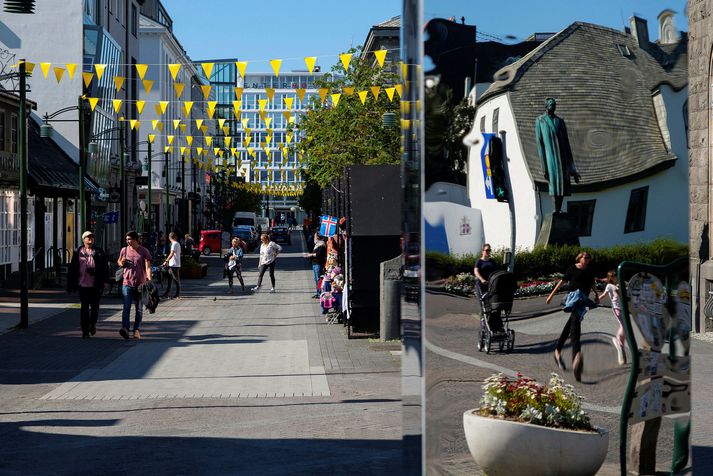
{"points": [[316, 269], [131, 296]]}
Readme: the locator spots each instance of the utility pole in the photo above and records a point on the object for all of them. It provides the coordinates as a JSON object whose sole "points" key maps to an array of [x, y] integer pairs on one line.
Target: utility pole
{"points": [[22, 138], [122, 178], [149, 185], [165, 171]]}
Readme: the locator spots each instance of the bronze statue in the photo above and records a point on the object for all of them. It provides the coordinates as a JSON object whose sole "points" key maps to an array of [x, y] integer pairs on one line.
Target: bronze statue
{"points": [[555, 153]]}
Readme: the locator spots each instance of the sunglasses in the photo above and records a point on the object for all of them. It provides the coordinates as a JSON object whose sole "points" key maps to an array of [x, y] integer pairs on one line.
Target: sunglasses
{"points": [[487, 250]]}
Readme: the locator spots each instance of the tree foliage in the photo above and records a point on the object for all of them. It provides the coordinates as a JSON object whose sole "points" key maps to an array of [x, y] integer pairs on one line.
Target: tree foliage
{"points": [[446, 123], [352, 133]]}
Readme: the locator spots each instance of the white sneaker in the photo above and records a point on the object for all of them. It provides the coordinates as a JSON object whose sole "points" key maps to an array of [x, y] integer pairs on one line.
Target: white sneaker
{"points": [[272, 290], [255, 289], [619, 351]]}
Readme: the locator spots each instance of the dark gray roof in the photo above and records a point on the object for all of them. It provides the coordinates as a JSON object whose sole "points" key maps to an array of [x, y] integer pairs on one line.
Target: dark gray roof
{"points": [[604, 98]]}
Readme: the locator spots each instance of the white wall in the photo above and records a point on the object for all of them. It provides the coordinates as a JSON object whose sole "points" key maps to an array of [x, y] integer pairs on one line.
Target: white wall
{"points": [[450, 218], [496, 216], [53, 34]]}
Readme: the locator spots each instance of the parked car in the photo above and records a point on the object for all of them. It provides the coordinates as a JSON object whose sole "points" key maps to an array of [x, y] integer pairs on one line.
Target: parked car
{"points": [[210, 241], [280, 234], [248, 234]]}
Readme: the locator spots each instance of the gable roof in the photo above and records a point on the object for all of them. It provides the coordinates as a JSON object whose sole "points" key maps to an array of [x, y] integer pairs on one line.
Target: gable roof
{"points": [[603, 96]]}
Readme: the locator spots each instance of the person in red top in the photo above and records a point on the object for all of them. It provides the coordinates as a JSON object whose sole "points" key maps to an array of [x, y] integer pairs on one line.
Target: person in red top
{"points": [[136, 261]]}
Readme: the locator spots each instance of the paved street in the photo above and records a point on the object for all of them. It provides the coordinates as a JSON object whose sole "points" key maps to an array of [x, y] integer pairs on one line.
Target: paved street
{"points": [[455, 371], [220, 384]]}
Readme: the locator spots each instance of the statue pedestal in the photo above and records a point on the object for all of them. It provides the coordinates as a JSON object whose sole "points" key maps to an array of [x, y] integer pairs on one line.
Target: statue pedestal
{"points": [[558, 229]]}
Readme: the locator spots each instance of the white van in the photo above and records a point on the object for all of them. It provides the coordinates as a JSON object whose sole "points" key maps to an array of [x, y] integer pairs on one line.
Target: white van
{"points": [[263, 223], [244, 218]]}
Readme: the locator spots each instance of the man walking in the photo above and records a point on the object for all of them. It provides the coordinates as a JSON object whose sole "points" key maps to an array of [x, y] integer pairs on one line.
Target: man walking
{"points": [[173, 261], [136, 261]]}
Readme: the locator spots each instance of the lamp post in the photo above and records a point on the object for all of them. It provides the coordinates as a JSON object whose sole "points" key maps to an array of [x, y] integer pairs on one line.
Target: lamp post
{"points": [[184, 209], [165, 171], [22, 137]]}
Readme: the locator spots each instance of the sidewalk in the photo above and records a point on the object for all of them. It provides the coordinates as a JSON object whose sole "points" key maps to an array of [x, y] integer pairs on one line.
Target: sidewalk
{"points": [[220, 384]]}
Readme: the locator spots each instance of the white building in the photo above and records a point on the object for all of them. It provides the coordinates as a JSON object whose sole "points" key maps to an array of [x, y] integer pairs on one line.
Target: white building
{"points": [[624, 100]]}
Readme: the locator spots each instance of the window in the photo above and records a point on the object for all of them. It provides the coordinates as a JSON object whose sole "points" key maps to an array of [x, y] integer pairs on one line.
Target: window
{"points": [[134, 19], [482, 124], [583, 212], [13, 133], [623, 50], [496, 114], [636, 213], [2, 130]]}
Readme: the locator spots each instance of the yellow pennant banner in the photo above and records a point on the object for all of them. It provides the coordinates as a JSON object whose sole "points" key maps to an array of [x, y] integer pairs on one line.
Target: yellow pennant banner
{"points": [[221, 122], [345, 58], [301, 93], [390, 93], [134, 123], [176, 124], [335, 99], [399, 89], [119, 82], [170, 139], [100, 70], [276, 63], [270, 93], [187, 106], [148, 84], [154, 124], [380, 56], [207, 69], [362, 96], [140, 106], [288, 102], [262, 103], [349, 91], [206, 88], [141, 69], [241, 65], [93, 102], [245, 122], [162, 106], [179, 89], [174, 68], [323, 93], [58, 73], [310, 61], [204, 129], [117, 105], [87, 78], [287, 115], [208, 140], [151, 138], [71, 68], [189, 140], [375, 91], [45, 68], [199, 123]]}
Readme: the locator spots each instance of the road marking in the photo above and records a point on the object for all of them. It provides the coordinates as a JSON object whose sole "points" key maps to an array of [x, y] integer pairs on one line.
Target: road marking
{"points": [[466, 359]]}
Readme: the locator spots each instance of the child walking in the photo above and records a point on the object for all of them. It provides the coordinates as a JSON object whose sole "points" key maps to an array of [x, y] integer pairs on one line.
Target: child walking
{"points": [[612, 291]]}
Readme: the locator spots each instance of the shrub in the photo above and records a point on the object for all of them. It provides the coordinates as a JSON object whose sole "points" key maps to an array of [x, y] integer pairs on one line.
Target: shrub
{"points": [[462, 284]]}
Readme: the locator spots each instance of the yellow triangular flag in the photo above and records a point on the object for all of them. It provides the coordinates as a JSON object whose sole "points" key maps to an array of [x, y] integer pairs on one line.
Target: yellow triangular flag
{"points": [[140, 106], [189, 140], [170, 139], [375, 91], [151, 138], [162, 106], [246, 121], [183, 127], [349, 91], [176, 123], [301, 93], [154, 124], [262, 103], [233, 150], [399, 89], [288, 137], [286, 114], [208, 140], [160, 126], [335, 99], [241, 65], [183, 150], [363, 95], [117, 105], [179, 88], [323, 93], [216, 151], [148, 84], [87, 78], [211, 105], [380, 56], [199, 123], [310, 61], [263, 115], [204, 129], [237, 104], [134, 123], [221, 122], [248, 132], [226, 130], [45, 68], [141, 69], [205, 88], [226, 140], [267, 120], [199, 150], [119, 82], [58, 73], [276, 63], [187, 106], [93, 102], [288, 102], [345, 58], [166, 149], [29, 67], [100, 70], [71, 68], [174, 68], [238, 93], [390, 93], [270, 93], [207, 69]]}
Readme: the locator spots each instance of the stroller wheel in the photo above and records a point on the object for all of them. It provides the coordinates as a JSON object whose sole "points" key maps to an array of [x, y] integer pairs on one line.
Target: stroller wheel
{"points": [[481, 341], [502, 346], [488, 346], [511, 340]]}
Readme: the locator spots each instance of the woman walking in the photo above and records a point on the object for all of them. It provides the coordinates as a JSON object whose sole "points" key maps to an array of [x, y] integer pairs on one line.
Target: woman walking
{"points": [[233, 264], [484, 267], [268, 254], [581, 281], [88, 274]]}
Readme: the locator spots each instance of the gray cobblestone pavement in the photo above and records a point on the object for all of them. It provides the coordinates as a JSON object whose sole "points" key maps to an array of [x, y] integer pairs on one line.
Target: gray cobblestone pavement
{"points": [[219, 384]]}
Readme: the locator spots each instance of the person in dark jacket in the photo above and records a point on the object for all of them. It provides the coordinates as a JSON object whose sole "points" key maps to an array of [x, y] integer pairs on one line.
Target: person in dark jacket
{"points": [[88, 274]]}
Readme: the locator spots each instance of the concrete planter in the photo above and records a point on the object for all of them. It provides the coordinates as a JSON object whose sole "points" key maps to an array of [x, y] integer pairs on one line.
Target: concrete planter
{"points": [[503, 447], [195, 272]]}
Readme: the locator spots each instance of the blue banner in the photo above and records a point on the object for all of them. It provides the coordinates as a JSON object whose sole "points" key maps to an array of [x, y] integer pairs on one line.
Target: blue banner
{"points": [[485, 161]]}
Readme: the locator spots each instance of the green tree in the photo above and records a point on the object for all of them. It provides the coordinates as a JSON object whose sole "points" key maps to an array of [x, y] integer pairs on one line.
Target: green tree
{"points": [[332, 138], [446, 124]]}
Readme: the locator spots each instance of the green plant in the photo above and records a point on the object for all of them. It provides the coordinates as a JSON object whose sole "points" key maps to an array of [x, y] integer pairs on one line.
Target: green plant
{"points": [[523, 399], [462, 284]]}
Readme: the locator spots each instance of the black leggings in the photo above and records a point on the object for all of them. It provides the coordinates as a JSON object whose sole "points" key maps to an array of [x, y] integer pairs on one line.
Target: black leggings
{"points": [[573, 329], [262, 269], [238, 273]]}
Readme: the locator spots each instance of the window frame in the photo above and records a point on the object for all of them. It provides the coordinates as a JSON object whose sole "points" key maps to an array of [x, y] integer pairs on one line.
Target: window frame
{"points": [[637, 223], [583, 228]]}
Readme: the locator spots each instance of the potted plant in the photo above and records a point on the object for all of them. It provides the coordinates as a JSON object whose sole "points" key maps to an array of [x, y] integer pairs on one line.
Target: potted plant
{"points": [[191, 268], [523, 427]]}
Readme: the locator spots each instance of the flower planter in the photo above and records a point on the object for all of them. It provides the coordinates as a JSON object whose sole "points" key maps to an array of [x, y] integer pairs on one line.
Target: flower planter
{"points": [[195, 272], [504, 447]]}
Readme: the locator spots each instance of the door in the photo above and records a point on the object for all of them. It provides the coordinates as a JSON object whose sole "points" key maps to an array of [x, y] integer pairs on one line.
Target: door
{"points": [[69, 234]]}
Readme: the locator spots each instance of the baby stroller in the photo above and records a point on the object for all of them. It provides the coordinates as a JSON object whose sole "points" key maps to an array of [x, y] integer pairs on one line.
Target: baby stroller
{"points": [[495, 307]]}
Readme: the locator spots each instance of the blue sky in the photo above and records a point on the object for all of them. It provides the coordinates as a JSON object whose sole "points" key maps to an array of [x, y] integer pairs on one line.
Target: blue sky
{"points": [[520, 18], [260, 30]]}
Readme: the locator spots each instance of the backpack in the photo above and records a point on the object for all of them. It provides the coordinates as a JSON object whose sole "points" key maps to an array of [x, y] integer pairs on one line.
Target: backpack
{"points": [[149, 296]]}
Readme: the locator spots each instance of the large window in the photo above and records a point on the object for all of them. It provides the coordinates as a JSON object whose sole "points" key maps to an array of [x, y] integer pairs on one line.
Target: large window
{"points": [[636, 213], [134, 20], [583, 212]]}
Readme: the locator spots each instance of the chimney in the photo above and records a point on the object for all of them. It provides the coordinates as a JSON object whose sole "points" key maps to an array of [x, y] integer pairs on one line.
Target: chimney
{"points": [[640, 30]]}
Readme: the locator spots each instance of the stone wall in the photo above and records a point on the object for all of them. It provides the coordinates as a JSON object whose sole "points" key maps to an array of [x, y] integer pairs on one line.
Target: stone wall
{"points": [[700, 42]]}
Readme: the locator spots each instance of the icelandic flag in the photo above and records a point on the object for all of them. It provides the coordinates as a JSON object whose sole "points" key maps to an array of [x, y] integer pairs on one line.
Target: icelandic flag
{"points": [[328, 225]]}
